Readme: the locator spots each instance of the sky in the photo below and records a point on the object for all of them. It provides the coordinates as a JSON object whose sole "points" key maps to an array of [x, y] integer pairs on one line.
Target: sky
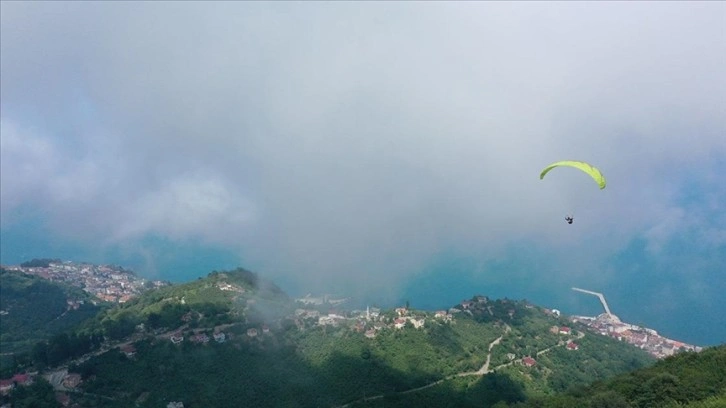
{"points": [[385, 150]]}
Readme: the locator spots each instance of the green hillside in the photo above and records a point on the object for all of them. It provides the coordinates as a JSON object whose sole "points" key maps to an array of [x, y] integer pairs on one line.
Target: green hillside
{"points": [[236, 297], [277, 353], [34, 309], [693, 380]]}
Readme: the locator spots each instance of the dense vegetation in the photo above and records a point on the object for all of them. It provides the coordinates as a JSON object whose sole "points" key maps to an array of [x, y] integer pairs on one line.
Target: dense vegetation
{"points": [[694, 380], [321, 366], [302, 363], [202, 303], [40, 394], [276, 354], [35, 309]]}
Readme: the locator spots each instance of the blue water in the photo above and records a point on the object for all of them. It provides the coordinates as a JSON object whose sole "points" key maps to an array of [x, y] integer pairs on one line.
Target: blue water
{"points": [[152, 257], [647, 292]]}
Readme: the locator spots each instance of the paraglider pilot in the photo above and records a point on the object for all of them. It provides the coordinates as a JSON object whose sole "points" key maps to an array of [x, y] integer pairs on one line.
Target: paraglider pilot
{"points": [[569, 219]]}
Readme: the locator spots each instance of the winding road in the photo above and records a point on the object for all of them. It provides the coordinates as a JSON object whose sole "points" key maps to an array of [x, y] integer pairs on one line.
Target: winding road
{"points": [[480, 372]]}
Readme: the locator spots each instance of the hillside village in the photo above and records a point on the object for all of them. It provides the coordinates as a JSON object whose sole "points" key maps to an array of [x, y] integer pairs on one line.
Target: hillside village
{"points": [[107, 283], [641, 337], [116, 285], [113, 284]]}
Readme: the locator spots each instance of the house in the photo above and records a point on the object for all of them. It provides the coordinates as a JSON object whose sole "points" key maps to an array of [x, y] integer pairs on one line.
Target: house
{"points": [[359, 326], [22, 379], [399, 323], [265, 329], [200, 338], [370, 333], [440, 314], [325, 320], [129, 350], [175, 404], [467, 304], [554, 329], [564, 330], [219, 337], [6, 386], [639, 338], [252, 332], [72, 380], [572, 346], [401, 311], [417, 323], [529, 361]]}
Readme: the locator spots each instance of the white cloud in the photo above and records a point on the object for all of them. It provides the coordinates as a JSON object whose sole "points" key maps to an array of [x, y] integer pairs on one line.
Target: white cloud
{"points": [[26, 162], [191, 205], [356, 141]]}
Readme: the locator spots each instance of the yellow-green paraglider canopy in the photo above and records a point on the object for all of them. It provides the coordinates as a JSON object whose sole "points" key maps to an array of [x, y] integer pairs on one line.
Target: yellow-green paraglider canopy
{"points": [[587, 168]]}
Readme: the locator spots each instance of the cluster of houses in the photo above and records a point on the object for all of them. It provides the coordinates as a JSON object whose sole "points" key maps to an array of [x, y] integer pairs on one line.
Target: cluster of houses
{"points": [[106, 282], [564, 330], [641, 337], [16, 380], [253, 332], [218, 336], [199, 338], [528, 361], [229, 287], [370, 321]]}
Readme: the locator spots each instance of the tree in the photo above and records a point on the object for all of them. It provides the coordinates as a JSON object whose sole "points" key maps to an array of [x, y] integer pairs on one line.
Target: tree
{"points": [[608, 399], [39, 354]]}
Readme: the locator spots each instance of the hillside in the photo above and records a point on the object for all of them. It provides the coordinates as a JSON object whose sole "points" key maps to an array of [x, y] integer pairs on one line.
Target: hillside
{"points": [[694, 380], [236, 297], [233, 339], [32, 309]]}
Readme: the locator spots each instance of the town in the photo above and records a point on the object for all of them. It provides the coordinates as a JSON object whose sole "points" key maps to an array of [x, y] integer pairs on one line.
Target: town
{"points": [[608, 324], [107, 283]]}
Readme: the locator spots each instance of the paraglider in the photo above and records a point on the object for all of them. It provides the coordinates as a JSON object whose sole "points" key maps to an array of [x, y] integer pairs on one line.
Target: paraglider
{"points": [[587, 168], [591, 170]]}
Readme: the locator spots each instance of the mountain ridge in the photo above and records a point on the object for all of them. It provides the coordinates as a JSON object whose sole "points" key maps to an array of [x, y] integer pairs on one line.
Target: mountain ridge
{"points": [[233, 324]]}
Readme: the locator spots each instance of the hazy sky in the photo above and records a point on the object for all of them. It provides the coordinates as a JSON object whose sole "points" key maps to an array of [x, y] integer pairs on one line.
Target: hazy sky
{"points": [[359, 145]]}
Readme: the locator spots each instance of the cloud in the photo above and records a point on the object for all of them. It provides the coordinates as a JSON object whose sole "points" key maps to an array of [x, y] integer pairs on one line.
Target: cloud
{"points": [[353, 143], [186, 206], [26, 163]]}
